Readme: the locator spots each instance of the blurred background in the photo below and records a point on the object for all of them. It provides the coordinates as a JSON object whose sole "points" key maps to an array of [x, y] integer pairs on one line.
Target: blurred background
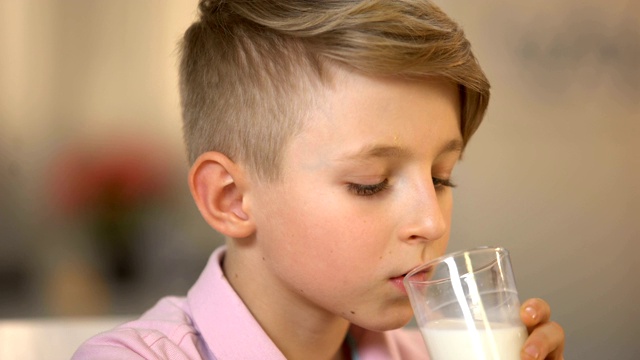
{"points": [[95, 214]]}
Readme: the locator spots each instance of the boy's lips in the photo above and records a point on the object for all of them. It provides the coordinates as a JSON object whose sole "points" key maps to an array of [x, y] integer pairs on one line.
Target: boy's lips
{"points": [[397, 281], [423, 275]]}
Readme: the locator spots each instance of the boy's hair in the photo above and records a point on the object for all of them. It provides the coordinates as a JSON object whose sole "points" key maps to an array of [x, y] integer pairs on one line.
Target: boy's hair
{"points": [[248, 67]]}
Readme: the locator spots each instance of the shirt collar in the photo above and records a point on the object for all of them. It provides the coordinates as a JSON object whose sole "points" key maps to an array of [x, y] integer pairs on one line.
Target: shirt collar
{"points": [[223, 320]]}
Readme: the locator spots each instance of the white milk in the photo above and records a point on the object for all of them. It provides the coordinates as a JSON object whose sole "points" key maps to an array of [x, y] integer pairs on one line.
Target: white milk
{"points": [[451, 340]]}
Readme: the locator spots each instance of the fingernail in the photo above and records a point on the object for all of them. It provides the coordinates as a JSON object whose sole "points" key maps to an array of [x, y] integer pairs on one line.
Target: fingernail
{"points": [[531, 312], [532, 351]]}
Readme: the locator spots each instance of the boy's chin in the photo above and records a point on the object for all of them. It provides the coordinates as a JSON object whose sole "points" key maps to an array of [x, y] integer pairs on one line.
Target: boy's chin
{"points": [[384, 322]]}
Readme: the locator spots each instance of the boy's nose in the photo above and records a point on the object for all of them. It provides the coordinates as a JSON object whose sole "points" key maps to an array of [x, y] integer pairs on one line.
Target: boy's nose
{"points": [[425, 220]]}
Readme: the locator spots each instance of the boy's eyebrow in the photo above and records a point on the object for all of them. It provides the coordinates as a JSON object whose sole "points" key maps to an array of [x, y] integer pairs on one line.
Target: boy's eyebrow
{"points": [[394, 151]]}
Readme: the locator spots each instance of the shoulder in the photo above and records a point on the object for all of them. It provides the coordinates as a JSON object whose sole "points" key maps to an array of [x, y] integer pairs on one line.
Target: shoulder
{"points": [[164, 332]]}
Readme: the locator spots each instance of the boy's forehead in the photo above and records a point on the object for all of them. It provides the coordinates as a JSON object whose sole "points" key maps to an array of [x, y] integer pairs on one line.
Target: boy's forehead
{"points": [[347, 132], [338, 75], [396, 150], [368, 100]]}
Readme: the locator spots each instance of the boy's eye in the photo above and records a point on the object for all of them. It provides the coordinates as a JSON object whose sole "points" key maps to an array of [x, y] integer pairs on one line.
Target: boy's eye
{"points": [[441, 183], [368, 190]]}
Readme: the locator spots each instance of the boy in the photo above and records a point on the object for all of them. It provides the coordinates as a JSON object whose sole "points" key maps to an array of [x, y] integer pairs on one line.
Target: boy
{"points": [[322, 137]]}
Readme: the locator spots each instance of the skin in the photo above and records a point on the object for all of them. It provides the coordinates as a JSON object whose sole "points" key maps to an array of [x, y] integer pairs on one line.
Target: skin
{"points": [[363, 199], [546, 337]]}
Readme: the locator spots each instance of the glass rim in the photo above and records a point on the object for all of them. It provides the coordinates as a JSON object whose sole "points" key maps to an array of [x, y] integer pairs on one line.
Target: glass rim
{"points": [[440, 259]]}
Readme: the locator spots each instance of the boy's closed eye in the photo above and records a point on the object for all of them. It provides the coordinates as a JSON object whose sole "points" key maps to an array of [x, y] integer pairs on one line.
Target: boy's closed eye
{"points": [[368, 189], [440, 183], [373, 189]]}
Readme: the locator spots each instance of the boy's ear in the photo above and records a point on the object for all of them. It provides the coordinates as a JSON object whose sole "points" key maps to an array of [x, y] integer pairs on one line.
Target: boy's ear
{"points": [[218, 186]]}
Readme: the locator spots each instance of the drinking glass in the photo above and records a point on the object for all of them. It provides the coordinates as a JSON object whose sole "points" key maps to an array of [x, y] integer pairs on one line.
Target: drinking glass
{"points": [[466, 305]]}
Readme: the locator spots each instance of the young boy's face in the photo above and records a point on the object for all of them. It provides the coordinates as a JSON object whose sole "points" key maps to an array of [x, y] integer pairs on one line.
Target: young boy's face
{"points": [[363, 199]]}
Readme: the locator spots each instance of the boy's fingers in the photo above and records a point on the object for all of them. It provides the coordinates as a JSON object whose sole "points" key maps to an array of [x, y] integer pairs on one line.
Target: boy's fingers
{"points": [[534, 312], [545, 342]]}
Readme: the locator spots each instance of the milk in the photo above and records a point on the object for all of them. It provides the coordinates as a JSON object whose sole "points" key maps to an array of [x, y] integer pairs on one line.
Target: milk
{"points": [[451, 340]]}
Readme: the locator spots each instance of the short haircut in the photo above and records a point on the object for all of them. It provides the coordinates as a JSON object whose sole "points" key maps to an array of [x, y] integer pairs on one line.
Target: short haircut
{"points": [[248, 67]]}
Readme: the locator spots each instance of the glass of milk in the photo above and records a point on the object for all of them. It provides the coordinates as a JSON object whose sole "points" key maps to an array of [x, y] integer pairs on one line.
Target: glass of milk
{"points": [[467, 306]]}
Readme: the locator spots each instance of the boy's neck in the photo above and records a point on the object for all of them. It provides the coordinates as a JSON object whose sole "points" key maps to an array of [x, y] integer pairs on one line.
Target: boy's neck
{"points": [[298, 329]]}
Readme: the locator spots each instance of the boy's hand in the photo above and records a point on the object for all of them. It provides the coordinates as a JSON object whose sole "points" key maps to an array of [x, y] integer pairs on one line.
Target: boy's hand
{"points": [[546, 338]]}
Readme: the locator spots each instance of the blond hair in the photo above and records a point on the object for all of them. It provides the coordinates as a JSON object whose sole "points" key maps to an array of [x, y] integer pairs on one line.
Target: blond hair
{"points": [[247, 67]]}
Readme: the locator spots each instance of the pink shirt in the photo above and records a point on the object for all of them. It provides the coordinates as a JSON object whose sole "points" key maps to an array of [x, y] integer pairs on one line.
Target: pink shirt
{"points": [[212, 322]]}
